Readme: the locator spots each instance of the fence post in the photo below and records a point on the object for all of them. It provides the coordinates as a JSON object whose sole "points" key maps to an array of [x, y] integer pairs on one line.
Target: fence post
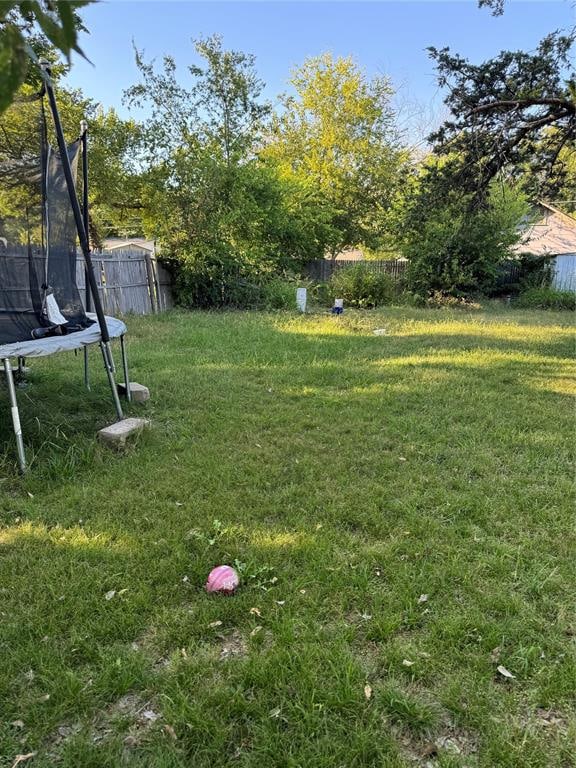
{"points": [[151, 284]]}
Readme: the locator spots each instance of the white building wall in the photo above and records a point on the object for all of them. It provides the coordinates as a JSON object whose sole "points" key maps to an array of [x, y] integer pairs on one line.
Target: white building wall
{"points": [[564, 276]]}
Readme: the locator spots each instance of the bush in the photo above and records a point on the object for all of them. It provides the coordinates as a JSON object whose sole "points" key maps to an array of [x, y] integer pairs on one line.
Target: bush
{"points": [[208, 285], [546, 298], [361, 287]]}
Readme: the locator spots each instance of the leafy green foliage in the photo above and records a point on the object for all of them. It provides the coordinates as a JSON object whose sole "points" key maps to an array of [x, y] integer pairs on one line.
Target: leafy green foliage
{"points": [[338, 133], [56, 20], [546, 298], [516, 111], [363, 287], [452, 245], [227, 221]]}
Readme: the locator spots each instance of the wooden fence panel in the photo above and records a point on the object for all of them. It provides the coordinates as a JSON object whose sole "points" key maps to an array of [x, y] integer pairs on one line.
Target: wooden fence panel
{"points": [[129, 282]]}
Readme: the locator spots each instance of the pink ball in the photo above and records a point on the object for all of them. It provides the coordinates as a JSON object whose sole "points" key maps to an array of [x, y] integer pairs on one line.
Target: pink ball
{"points": [[223, 579]]}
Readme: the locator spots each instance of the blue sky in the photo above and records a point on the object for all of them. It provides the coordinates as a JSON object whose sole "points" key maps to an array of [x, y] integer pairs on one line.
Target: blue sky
{"points": [[384, 37]]}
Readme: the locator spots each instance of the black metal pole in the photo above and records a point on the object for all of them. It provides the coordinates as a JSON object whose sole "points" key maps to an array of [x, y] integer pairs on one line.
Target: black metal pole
{"points": [[84, 140], [87, 302], [82, 236]]}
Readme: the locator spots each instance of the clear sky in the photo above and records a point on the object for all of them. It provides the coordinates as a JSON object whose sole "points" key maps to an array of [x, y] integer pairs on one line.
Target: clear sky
{"points": [[383, 37]]}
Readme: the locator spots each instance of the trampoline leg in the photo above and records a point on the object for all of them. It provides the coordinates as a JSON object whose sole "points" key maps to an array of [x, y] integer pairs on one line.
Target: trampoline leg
{"points": [[15, 415], [125, 367], [86, 370], [107, 355]]}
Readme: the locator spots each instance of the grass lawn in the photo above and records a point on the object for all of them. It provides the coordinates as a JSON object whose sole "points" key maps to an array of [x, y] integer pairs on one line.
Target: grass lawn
{"points": [[402, 511]]}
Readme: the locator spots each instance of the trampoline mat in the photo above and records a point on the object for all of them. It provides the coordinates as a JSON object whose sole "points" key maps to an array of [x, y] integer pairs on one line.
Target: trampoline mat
{"points": [[54, 344]]}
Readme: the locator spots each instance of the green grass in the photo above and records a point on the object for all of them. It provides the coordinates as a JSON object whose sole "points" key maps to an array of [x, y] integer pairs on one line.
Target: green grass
{"points": [[350, 474]]}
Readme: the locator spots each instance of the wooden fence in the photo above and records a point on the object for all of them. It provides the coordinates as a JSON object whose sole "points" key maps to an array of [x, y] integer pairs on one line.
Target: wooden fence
{"points": [[323, 269], [129, 282]]}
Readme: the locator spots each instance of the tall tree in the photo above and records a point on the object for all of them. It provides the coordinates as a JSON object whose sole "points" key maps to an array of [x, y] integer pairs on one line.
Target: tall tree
{"points": [[337, 133], [513, 112]]}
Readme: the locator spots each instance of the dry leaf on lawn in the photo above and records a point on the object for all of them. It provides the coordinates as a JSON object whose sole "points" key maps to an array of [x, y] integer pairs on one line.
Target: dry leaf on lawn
{"points": [[504, 672], [22, 758], [109, 595], [367, 691], [255, 611]]}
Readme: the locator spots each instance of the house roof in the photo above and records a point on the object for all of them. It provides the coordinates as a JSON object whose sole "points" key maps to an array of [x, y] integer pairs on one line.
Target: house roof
{"points": [[119, 243], [551, 234]]}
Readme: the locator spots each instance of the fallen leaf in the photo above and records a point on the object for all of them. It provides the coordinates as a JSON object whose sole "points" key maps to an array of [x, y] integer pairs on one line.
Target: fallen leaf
{"points": [[30, 494], [215, 624], [122, 591], [367, 691], [45, 697], [135, 647], [274, 579], [422, 599], [22, 758], [179, 504], [109, 595], [17, 723], [407, 663], [150, 715], [255, 631], [257, 445], [302, 591], [185, 579], [504, 672], [184, 653], [170, 731], [274, 712], [402, 458], [280, 602], [255, 611]]}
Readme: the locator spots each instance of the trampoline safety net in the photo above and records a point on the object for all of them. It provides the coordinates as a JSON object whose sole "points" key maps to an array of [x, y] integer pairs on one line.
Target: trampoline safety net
{"points": [[38, 291]]}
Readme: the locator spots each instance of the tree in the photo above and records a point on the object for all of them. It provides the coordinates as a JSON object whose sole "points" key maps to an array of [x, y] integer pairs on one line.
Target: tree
{"points": [[337, 133], [57, 21], [451, 245], [224, 218], [515, 111]]}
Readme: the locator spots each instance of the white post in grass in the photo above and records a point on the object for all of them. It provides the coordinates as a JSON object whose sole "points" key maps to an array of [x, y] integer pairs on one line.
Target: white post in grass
{"points": [[301, 299]]}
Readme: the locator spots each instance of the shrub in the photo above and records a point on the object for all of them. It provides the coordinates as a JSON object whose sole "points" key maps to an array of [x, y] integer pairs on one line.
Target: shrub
{"points": [[361, 287], [546, 298]]}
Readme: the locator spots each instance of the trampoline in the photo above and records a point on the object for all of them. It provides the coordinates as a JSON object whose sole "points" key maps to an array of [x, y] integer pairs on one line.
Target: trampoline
{"points": [[41, 221]]}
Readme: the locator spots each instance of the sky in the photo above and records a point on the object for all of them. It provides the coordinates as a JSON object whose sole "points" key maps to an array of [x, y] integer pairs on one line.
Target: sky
{"points": [[383, 37]]}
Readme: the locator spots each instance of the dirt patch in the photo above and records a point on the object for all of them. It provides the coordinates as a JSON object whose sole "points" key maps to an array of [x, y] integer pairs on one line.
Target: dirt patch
{"points": [[233, 645], [141, 713], [427, 753]]}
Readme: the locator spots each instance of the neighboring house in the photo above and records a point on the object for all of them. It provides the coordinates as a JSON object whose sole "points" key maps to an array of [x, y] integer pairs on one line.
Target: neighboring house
{"points": [[129, 244], [553, 233], [353, 254]]}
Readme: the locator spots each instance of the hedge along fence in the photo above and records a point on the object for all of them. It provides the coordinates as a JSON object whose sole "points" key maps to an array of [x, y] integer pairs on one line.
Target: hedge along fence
{"points": [[321, 270]]}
